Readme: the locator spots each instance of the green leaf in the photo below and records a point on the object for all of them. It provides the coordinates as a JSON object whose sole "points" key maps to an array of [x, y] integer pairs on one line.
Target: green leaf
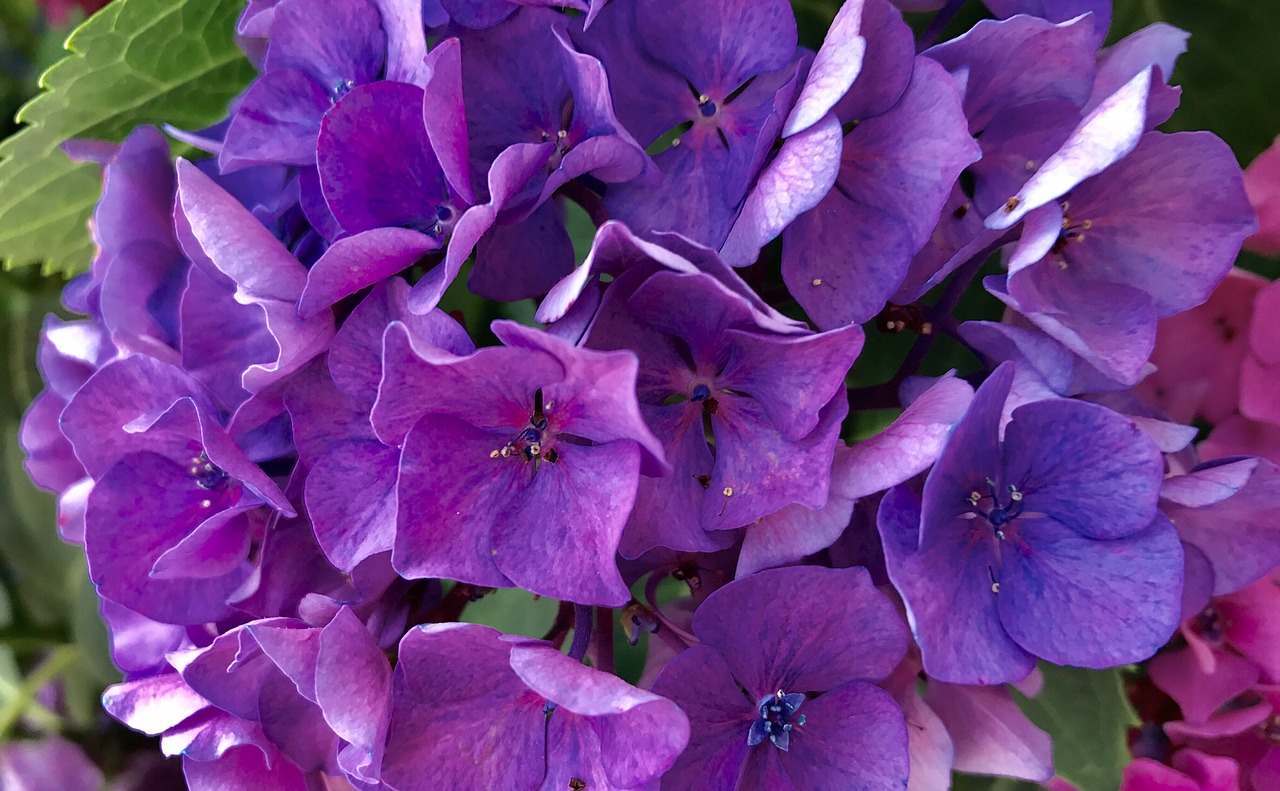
{"points": [[1229, 72], [135, 62], [513, 611], [1087, 714]]}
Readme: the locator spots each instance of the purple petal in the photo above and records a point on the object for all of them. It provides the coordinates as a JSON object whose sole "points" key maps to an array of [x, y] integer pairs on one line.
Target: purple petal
{"points": [[835, 66], [1108, 133], [793, 533], [402, 20], [886, 64], [359, 261], [1076, 601], [1084, 466], [907, 447], [350, 529], [640, 734], [525, 259], [1200, 694], [990, 734], [886, 202], [1176, 203], [445, 115], [797, 643], [277, 122], [1019, 61], [377, 167], [459, 708], [971, 456], [152, 705], [718, 44], [793, 183], [853, 737], [1156, 45], [243, 767], [353, 681], [507, 379], [1228, 512], [449, 492], [947, 587], [237, 244], [720, 716], [556, 541], [49, 762], [332, 40], [142, 506], [213, 549]]}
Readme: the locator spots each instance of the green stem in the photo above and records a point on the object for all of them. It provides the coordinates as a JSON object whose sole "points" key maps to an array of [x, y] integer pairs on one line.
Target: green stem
{"points": [[55, 664]]}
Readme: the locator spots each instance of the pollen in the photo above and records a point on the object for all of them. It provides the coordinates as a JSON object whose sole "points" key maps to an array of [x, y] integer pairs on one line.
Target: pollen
{"points": [[1012, 204], [728, 491]]}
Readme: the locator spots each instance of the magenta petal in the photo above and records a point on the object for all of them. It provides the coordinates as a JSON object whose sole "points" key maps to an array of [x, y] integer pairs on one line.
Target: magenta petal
{"points": [[561, 536], [1076, 601], [449, 493], [947, 587], [853, 737], [991, 735], [1200, 694], [458, 708], [359, 261], [243, 767], [835, 66], [720, 716], [852, 632], [929, 745]]}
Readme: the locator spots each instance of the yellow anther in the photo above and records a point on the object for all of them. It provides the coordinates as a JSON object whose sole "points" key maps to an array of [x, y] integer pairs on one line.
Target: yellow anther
{"points": [[728, 491], [493, 454], [817, 281], [995, 587], [1031, 165]]}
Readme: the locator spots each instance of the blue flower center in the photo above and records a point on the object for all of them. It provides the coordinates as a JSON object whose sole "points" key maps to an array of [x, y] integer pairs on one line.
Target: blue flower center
{"points": [[700, 393], [530, 443], [706, 107], [340, 89], [997, 510], [208, 475], [777, 719]]}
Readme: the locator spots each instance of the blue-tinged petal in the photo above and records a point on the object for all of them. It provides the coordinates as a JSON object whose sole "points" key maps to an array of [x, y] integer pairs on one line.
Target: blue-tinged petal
{"points": [[949, 586], [970, 458], [1077, 601], [799, 642], [853, 737], [1083, 465], [720, 716]]}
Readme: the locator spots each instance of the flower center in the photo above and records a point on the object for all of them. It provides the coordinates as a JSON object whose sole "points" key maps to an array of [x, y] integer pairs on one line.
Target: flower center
{"points": [[777, 719], [700, 393], [530, 443], [998, 511], [706, 107], [208, 475], [340, 89]]}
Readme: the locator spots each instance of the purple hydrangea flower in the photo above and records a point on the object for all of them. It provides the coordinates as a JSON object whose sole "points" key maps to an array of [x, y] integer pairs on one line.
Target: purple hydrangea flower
{"points": [[489, 711], [781, 695], [1045, 543], [518, 464]]}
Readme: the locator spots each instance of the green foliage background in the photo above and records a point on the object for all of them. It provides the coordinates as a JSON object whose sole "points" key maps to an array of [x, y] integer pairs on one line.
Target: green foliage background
{"points": [[175, 61]]}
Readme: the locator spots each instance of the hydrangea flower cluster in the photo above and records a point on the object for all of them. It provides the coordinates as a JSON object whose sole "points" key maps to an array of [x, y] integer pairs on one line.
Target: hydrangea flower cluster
{"points": [[292, 463]]}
